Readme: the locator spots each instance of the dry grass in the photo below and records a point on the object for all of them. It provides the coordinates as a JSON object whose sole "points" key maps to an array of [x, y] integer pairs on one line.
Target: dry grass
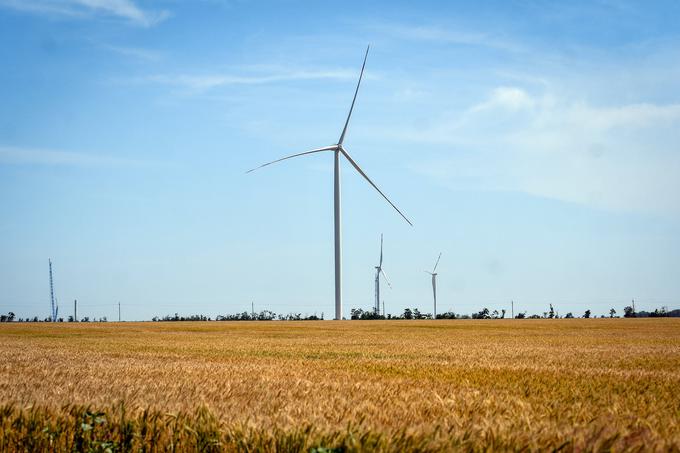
{"points": [[392, 386]]}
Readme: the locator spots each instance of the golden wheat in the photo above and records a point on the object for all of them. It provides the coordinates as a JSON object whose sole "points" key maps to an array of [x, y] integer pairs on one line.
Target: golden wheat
{"points": [[365, 385]]}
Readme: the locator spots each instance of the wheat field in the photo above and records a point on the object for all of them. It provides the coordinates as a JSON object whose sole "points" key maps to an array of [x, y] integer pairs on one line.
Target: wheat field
{"points": [[473, 385]]}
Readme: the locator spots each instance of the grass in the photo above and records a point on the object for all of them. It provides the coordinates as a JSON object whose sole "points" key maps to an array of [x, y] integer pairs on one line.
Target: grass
{"points": [[574, 385]]}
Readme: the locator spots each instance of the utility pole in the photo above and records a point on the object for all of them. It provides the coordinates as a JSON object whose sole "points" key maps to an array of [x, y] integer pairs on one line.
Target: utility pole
{"points": [[75, 310], [512, 309], [118, 311]]}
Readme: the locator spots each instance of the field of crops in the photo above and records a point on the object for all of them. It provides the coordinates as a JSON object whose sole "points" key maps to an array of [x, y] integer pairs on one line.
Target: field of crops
{"points": [[582, 384]]}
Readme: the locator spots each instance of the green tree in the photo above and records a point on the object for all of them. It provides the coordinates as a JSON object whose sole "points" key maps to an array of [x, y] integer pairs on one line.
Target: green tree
{"points": [[482, 314], [659, 313], [586, 314]]}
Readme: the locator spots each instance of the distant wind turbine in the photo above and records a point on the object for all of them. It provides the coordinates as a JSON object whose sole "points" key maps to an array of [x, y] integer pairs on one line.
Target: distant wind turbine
{"points": [[434, 284], [379, 270], [54, 313], [339, 149]]}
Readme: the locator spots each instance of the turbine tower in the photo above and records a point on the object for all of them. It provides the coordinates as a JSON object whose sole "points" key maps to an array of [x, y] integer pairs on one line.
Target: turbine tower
{"points": [[55, 307], [434, 284], [379, 270], [338, 149]]}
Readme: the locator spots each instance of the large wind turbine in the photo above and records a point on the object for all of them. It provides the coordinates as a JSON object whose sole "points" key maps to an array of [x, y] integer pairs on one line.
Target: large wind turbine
{"points": [[379, 270], [434, 284], [339, 149]]}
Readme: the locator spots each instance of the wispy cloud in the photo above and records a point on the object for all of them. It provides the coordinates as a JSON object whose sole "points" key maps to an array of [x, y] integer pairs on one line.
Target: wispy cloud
{"points": [[13, 155], [123, 9], [194, 83], [445, 35], [135, 52]]}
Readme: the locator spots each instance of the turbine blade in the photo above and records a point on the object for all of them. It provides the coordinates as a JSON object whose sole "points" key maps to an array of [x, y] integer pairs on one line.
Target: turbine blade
{"points": [[437, 263], [361, 172], [385, 276], [428, 272], [344, 130], [381, 254], [317, 150]]}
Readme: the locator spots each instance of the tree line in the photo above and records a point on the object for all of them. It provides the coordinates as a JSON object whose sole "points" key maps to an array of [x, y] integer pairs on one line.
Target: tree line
{"points": [[265, 315], [361, 314], [485, 313], [10, 317]]}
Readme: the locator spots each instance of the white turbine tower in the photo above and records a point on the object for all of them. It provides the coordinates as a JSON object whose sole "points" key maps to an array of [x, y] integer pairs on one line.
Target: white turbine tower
{"points": [[339, 149], [379, 270], [434, 284]]}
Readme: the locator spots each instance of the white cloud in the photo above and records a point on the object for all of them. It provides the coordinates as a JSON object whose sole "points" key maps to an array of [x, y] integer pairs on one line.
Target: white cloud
{"points": [[624, 157], [124, 9], [510, 98]]}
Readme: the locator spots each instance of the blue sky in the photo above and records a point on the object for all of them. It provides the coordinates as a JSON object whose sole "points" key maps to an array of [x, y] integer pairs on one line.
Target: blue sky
{"points": [[535, 144]]}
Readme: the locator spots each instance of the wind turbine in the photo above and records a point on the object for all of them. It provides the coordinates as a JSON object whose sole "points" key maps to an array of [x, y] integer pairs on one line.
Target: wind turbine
{"points": [[379, 270], [339, 149], [434, 284], [54, 304]]}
